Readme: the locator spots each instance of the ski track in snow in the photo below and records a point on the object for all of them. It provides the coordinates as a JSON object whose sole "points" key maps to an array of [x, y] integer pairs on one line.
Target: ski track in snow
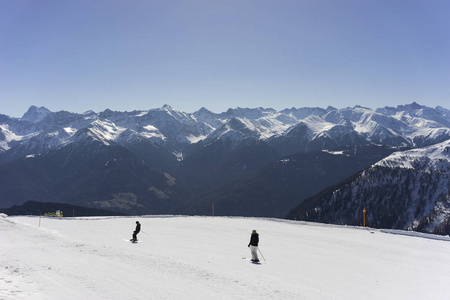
{"points": [[201, 258]]}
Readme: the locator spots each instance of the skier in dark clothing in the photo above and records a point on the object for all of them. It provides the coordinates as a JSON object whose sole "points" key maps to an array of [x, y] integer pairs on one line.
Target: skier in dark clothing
{"points": [[254, 240], [136, 231]]}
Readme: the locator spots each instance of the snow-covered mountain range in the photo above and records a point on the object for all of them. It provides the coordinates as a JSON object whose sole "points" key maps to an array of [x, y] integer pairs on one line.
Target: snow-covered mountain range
{"points": [[288, 131], [248, 161], [407, 190]]}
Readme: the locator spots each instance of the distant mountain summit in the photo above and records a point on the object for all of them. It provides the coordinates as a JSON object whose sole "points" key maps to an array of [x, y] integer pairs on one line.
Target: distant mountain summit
{"points": [[35, 114]]}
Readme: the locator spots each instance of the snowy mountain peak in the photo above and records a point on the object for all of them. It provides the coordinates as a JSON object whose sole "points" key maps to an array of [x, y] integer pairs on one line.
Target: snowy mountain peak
{"points": [[167, 107], [412, 106], [249, 113], [421, 158], [89, 113], [330, 108], [203, 111], [35, 114]]}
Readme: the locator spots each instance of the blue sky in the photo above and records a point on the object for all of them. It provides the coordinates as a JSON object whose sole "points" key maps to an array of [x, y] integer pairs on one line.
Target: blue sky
{"points": [[135, 55]]}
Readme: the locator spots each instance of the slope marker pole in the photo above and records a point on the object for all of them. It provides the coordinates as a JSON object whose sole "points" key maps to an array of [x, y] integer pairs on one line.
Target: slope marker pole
{"points": [[364, 217]]}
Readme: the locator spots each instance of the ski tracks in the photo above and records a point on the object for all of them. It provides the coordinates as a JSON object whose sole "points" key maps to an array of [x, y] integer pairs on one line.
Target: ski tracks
{"points": [[79, 267]]}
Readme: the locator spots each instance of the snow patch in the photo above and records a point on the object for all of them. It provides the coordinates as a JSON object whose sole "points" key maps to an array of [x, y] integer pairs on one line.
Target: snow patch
{"points": [[141, 114], [195, 139], [70, 130], [10, 136], [179, 155], [334, 152]]}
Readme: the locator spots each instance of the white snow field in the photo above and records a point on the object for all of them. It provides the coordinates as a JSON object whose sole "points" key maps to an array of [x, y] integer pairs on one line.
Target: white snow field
{"points": [[201, 258]]}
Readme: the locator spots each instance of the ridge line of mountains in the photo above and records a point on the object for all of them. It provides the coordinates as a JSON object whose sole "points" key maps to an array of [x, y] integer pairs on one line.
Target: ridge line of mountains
{"points": [[247, 161]]}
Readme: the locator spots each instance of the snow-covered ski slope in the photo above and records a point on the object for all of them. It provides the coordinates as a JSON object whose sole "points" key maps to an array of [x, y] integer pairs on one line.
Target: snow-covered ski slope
{"points": [[201, 258]]}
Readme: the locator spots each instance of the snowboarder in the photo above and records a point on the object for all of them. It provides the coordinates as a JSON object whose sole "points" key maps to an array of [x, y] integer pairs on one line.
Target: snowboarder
{"points": [[254, 240], [136, 231]]}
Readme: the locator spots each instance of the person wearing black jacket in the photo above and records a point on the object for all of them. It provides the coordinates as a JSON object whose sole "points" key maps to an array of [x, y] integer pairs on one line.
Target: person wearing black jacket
{"points": [[136, 231], [254, 240]]}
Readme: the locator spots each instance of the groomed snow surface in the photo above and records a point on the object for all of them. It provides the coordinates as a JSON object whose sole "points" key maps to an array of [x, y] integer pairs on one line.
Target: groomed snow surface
{"points": [[201, 258]]}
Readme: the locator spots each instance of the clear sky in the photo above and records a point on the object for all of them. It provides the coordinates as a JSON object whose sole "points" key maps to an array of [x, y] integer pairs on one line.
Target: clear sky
{"points": [[79, 55]]}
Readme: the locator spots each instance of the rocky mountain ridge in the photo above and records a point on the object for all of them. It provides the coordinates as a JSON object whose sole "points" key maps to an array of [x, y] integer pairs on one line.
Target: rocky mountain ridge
{"points": [[407, 190], [306, 129]]}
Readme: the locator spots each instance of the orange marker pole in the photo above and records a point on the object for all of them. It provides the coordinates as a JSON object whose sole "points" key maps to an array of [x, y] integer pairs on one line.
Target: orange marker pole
{"points": [[364, 218], [39, 220]]}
